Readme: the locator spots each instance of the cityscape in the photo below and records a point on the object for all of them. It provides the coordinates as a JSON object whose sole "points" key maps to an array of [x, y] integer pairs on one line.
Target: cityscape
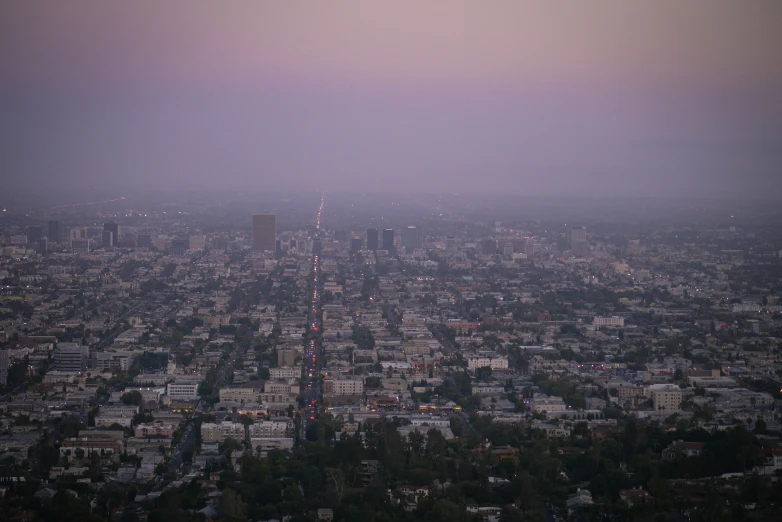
{"points": [[361, 262]]}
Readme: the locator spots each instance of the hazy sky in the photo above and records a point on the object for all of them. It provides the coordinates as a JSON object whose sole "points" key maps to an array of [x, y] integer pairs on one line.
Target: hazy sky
{"points": [[582, 97]]}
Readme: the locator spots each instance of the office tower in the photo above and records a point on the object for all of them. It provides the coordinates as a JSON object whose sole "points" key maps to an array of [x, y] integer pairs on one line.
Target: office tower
{"points": [[71, 357], [44, 245], [80, 246], [180, 245], [388, 239], [54, 231], [372, 243], [578, 241], [317, 245], [278, 247], [529, 249], [264, 231], [355, 244], [412, 238], [507, 249], [112, 239], [144, 241], [77, 233], [489, 247], [34, 234], [293, 243], [197, 242]]}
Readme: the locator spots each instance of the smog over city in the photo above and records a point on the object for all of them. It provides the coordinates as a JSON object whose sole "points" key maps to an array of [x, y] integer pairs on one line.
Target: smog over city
{"points": [[412, 260]]}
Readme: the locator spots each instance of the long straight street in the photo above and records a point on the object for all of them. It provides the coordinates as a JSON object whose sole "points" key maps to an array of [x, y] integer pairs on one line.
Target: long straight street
{"points": [[313, 391]]}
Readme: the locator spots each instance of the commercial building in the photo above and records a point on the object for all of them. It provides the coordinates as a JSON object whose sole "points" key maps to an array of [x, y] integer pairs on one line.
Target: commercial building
{"points": [[80, 246], [344, 386], [54, 231], [412, 238], [71, 357], [489, 247], [545, 403], [495, 362], [34, 235], [614, 321], [240, 394], [144, 241], [264, 231], [197, 242], [285, 372], [112, 238], [578, 241], [388, 239], [182, 390], [264, 445], [372, 239], [155, 429], [269, 429], [286, 357]]}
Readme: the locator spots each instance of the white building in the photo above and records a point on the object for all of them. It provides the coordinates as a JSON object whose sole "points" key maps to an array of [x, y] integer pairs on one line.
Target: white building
{"points": [[613, 322], [666, 397], [266, 444], [285, 372], [495, 362], [266, 429], [344, 386], [71, 357], [548, 404], [182, 390]]}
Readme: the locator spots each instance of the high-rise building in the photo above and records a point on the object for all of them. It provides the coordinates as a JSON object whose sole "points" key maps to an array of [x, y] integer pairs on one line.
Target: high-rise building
{"points": [[111, 240], [578, 241], [197, 242], [80, 246], [356, 243], [107, 239], [372, 242], [489, 247], [34, 234], [44, 245], [71, 357], [54, 231], [264, 231], [144, 241], [388, 239], [77, 233], [412, 238], [180, 245]]}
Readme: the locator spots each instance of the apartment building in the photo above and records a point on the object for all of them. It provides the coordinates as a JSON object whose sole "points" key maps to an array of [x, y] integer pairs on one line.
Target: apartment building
{"points": [[218, 432], [666, 397], [344, 386]]}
